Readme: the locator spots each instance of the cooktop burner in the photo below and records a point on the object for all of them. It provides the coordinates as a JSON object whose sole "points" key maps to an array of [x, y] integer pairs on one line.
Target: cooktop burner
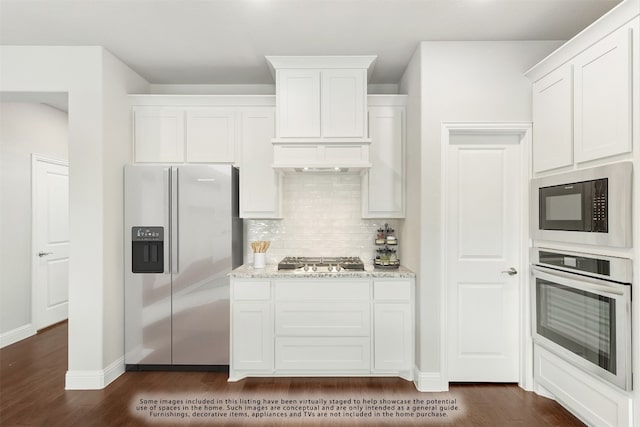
{"points": [[330, 264]]}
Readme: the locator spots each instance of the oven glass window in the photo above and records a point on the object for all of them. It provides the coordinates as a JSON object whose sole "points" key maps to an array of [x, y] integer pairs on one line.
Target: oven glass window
{"points": [[580, 321], [564, 208]]}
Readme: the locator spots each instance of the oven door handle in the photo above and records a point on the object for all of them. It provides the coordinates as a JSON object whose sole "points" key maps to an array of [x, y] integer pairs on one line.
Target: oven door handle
{"points": [[584, 283]]}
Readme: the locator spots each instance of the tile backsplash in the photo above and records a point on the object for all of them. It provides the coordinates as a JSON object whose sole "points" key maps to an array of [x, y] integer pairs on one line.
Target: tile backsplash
{"points": [[321, 217]]}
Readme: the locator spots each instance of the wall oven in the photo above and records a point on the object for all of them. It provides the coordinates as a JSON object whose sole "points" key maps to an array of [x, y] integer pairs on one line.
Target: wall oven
{"points": [[582, 311], [589, 206]]}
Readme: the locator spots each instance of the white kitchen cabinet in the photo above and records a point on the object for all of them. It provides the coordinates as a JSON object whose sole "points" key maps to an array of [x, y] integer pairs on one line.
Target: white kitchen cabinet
{"points": [[211, 135], [165, 134], [259, 183], [322, 327], [321, 98], [253, 342], [323, 355], [393, 326], [583, 97], [603, 97], [298, 100], [158, 134], [383, 185], [251, 326], [199, 128], [553, 120], [344, 101], [321, 103]]}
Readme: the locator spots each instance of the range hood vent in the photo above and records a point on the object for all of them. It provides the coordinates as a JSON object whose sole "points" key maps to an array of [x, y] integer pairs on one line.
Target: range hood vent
{"points": [[329, 157], [325, 170]]}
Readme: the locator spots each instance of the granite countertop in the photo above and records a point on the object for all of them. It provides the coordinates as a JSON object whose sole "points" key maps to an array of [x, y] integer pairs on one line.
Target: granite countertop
{"points": [[247, 271]]}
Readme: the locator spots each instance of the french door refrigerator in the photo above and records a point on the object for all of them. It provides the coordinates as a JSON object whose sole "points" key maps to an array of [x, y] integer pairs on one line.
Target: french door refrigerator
{"points": [[183, 235]]}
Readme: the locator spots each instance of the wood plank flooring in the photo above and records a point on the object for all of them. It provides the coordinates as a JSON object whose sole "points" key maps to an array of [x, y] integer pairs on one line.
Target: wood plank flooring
{"points": [[32, 394]]}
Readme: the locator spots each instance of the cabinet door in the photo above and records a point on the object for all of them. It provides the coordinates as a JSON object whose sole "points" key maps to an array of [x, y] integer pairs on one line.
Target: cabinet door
{"points": [[603, 98], [158, 135], [392, 336], [259, 182], [343, 103], [553, 120], [317, 354], [211, 135], [298, 103], [252, 336], [383, 183]]}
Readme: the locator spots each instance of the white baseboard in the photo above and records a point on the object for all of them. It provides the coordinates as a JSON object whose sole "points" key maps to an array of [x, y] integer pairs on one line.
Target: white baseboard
{"points": [[17, 334], [94, 380], [430, 381]]}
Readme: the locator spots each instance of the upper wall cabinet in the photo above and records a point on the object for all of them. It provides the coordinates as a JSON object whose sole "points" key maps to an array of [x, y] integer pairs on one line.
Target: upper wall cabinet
{"points": [[583, 94], [603, 97], [211, 135], [344, 102], [164, 134], [298, 102], [321, 98], [190, 128], [259, 182], [553, 120], [383, 185], [158, 134]]}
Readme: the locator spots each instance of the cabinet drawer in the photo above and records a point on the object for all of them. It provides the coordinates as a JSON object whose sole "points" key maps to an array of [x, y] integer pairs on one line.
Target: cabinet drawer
{"points": [[259, 290], [392, 290], [301, 290], [323, 354], [322, 319]]}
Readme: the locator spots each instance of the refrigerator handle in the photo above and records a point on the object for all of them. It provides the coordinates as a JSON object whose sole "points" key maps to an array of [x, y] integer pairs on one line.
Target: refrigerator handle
{"points": [[177, 222], [167, 219]]}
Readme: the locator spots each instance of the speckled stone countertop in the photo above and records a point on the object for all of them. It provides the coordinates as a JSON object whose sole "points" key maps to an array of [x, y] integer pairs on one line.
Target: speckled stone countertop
{"points": [[271, 271]]}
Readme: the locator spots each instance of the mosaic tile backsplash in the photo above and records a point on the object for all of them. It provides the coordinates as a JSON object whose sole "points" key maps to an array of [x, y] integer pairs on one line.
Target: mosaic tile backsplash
{"points": [[321, 217]]}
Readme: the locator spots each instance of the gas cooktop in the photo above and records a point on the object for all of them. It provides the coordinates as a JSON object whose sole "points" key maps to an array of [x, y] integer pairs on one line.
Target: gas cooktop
{"points": [[321, 264]]}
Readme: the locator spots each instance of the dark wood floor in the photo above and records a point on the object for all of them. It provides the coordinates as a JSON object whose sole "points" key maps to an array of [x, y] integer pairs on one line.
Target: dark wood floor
{"points": [[32, 394]]}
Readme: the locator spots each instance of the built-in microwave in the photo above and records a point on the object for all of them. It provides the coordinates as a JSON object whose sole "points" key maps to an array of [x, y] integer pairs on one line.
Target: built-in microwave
{"points": [[589, 206]]}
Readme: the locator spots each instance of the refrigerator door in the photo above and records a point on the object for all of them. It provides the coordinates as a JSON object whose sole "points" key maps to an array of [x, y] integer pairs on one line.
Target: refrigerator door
{"points": [[147, 298], [200, 264]]}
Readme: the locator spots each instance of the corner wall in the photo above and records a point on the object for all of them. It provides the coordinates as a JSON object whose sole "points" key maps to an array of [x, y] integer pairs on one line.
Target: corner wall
{"points": [[459, 82], [25, 129], [410, 228], [89, 79]]}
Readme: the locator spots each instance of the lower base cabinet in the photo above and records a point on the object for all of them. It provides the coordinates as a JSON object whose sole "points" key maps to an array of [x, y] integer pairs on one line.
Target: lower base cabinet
{"points": [[322, 327], [323, 354], [588, 398]]}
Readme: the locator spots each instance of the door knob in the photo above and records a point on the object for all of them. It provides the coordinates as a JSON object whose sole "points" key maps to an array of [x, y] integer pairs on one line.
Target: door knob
{"points": [[511, 271], [41, 254]]}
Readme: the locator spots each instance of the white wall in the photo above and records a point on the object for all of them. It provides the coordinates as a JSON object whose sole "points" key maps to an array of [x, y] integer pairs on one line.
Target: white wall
{"points": [[25, 129], [118, 82], [82, 73], [410, 245], [321, 217], [460, 82]]}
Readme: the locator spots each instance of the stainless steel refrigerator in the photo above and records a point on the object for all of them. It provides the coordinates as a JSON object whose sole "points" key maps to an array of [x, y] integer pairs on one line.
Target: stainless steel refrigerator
{"points": [[183, 235]]}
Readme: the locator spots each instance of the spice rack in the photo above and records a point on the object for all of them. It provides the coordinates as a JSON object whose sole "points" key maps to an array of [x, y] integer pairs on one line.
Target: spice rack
{"points": [[386, 256]]}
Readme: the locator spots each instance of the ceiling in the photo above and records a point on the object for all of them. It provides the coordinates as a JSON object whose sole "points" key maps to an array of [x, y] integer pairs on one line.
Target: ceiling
{"points": [[225, 41]]}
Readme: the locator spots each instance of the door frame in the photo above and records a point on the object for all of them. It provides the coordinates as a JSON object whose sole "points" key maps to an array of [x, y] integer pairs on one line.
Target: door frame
{"points": [[35, 158], [523, 130]]}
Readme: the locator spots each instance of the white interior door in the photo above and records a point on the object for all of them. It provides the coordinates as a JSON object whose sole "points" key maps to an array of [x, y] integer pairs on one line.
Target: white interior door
{"points": [[50, 241], [483, 238]]}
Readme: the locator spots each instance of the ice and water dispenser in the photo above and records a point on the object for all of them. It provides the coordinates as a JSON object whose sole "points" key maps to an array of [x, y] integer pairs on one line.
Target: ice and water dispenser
{"points": [[147, 249]]}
